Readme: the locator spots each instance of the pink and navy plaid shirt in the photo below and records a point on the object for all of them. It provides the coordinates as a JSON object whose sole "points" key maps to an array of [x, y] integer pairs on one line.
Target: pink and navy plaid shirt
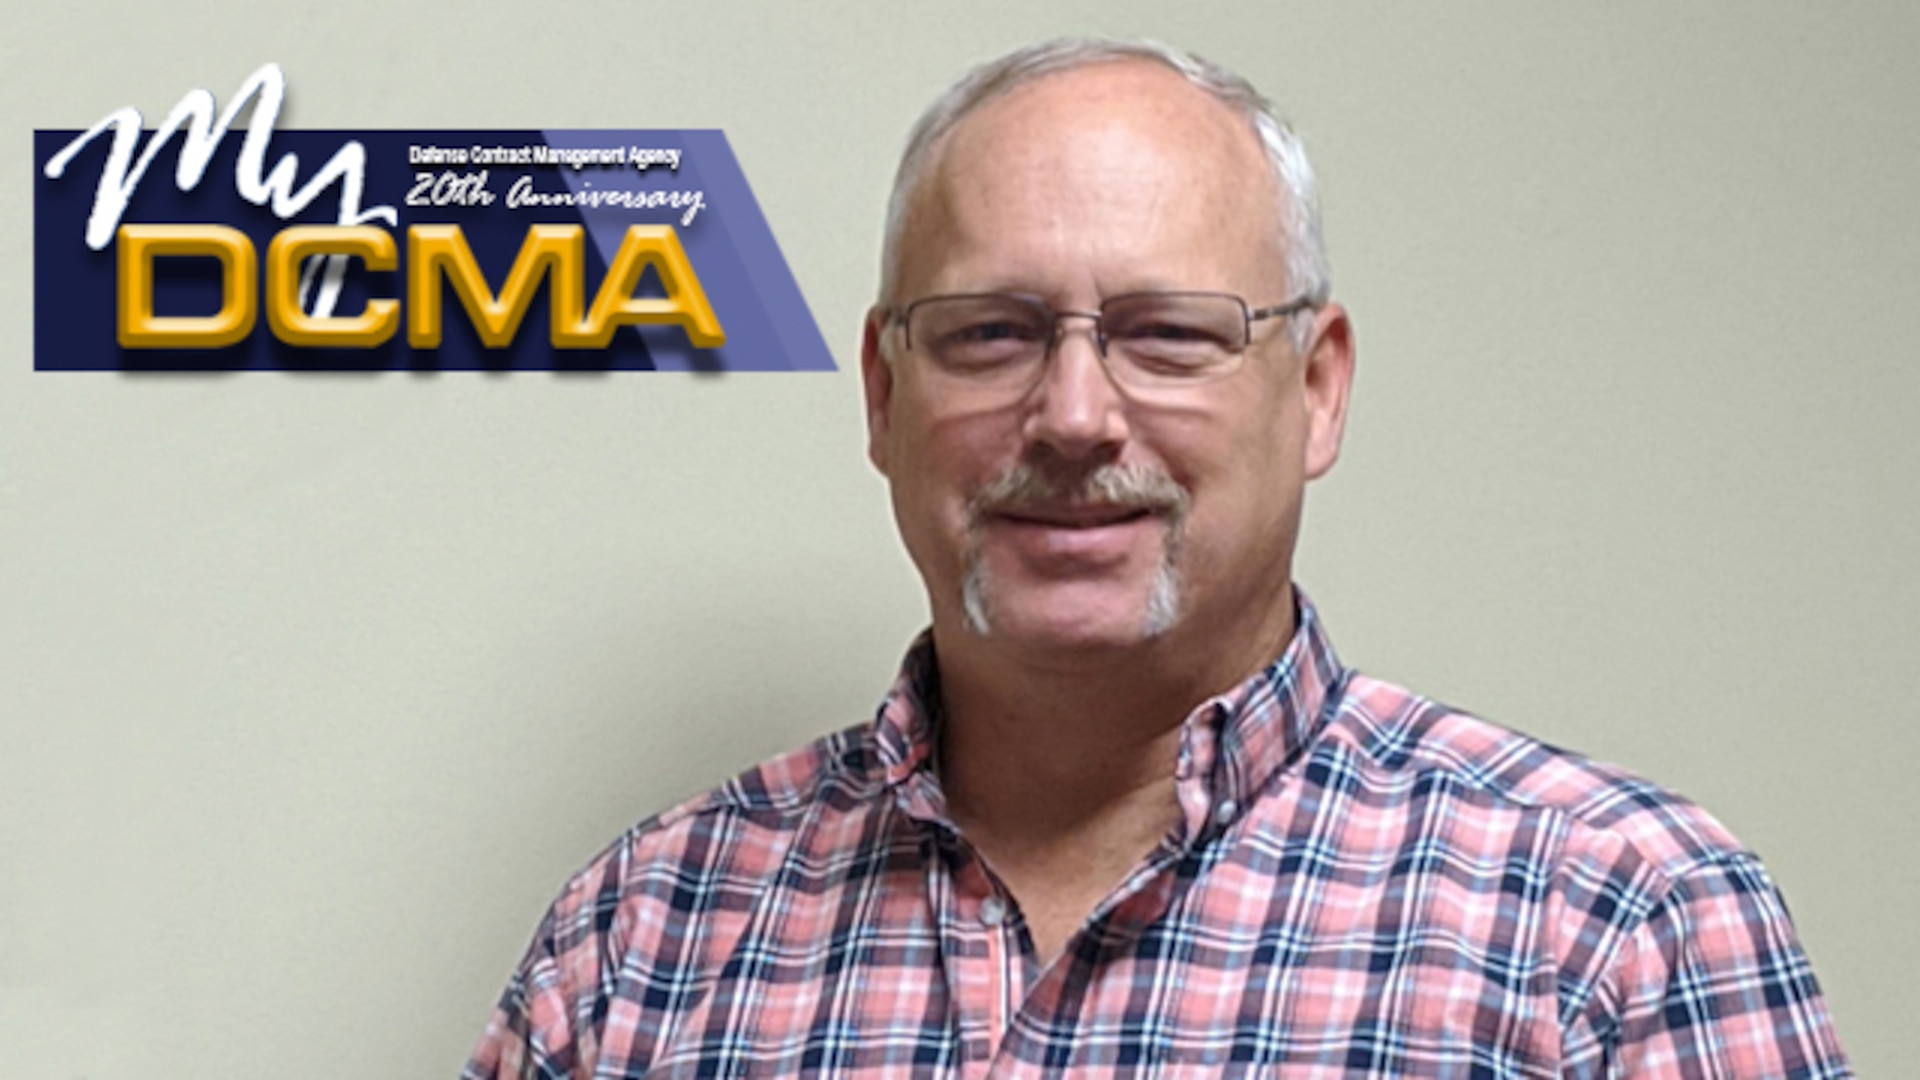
{"points": [[1363, 884]]}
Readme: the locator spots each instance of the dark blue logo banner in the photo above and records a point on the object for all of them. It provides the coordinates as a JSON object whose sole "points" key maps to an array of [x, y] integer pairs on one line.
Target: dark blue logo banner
{"points": [[209, 246]]}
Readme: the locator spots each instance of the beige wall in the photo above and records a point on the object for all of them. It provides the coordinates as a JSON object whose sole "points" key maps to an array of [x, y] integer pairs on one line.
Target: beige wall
{"points": [[313, 688]]}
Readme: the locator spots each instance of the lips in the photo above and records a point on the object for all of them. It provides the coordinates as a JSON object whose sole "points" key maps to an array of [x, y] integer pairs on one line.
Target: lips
{"points": [[1072, 540], [1082, 516]]}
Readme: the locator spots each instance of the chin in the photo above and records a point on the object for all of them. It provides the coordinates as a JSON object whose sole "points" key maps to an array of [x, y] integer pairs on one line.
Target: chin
{"points": [[1079, 614]]}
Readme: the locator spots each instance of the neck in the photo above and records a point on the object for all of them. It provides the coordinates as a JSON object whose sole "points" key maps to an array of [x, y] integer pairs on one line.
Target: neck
{"points": [[1058, 766], [1054, 747], [1071, 725]]}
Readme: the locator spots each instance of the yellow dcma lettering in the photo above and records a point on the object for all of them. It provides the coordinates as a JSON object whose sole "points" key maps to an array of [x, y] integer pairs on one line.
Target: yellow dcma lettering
{"points": [[434, 252], [685, 304], [140, 328], [557, 253], [293, 325]]}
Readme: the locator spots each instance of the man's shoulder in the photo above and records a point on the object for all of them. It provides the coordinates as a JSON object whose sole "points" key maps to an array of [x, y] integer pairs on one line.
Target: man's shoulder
{"points": [[731, 837], [1407, 735], [838, 768]]}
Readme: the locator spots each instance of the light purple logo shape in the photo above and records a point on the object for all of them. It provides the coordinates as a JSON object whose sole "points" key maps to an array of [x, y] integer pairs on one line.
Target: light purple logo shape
{"points": [[754, 295]]}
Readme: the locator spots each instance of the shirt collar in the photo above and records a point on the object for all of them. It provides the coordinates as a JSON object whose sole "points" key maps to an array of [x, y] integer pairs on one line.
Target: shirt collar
{"points": [[906, 731], [1232, 744]]}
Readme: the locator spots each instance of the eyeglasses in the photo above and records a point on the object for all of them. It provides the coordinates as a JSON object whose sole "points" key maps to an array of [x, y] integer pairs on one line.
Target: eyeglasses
{"points": [[999, 342]]}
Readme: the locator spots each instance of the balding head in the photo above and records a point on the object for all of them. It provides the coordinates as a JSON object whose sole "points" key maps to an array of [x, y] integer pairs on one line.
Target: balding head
{"points": [[1289, 175], [1119, 172]]}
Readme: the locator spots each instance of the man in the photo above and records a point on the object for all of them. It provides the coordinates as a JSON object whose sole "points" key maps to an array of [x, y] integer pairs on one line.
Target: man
{"points": [[1125, 812]]}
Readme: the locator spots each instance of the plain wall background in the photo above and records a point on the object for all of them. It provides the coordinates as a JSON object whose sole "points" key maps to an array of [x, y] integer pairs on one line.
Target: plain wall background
{"points": [[313, 689]]}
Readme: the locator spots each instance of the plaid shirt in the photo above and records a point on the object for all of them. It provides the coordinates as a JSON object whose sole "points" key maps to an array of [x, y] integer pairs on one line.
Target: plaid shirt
{"points": [[1364, 884]]}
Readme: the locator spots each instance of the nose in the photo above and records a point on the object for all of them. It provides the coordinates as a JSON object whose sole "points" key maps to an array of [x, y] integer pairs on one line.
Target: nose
{"points": [[1076, 409]]}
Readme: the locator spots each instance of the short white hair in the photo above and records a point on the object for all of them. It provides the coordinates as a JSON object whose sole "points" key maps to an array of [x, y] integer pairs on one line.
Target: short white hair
{"points": [[1308, 273]]}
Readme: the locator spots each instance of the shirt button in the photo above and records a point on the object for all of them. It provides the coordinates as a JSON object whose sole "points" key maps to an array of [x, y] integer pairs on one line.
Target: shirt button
{"points": [[993, 911], [1224, 810]]}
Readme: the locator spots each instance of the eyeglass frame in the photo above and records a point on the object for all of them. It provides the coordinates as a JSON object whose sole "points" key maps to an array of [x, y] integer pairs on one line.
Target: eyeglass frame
{"points": [[903, 316]]}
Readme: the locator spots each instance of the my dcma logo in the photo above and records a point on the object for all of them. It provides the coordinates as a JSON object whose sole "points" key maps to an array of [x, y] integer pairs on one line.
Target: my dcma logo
{"points": [[434, 252], [191, 271]]}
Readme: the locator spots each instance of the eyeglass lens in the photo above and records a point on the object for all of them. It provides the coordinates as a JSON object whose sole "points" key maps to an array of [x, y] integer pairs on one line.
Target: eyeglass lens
{"points": [[1144, 336]]}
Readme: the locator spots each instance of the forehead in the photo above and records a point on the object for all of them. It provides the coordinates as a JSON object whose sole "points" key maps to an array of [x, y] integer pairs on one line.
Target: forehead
{"points": [[1110, 177]]}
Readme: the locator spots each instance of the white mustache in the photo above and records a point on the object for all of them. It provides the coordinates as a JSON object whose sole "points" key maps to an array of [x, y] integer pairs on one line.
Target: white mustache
{"points": [[1138, 486]]}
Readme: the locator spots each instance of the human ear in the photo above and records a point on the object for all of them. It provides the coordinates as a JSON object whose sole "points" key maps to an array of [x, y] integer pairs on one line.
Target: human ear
{"points": [[876, 377], [1327, 380]]}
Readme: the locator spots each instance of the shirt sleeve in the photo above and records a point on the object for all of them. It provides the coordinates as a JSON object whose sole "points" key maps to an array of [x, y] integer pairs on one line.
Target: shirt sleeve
{"points": [[1713, 984], [531, 1033]]}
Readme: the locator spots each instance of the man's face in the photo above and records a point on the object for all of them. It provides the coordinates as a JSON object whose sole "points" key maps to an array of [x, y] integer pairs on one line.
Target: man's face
{"points": [[1083, 515]]}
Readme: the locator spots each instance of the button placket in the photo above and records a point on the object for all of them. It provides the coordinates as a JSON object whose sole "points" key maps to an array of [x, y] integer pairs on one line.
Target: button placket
{"points": [[976, 919], [993, 912]]}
